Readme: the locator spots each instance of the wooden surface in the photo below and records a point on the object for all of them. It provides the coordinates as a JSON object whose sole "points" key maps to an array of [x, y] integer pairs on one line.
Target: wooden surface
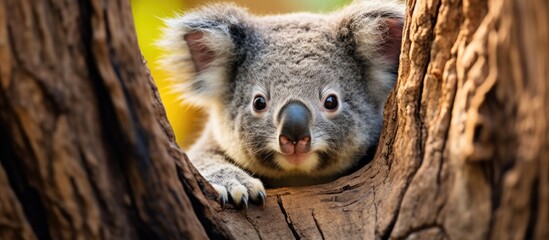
{"points": [[82, 146], [86, 150]]}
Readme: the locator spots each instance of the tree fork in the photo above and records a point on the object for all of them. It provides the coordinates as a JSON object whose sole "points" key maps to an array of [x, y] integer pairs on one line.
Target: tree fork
{"points": [[86, 150]]}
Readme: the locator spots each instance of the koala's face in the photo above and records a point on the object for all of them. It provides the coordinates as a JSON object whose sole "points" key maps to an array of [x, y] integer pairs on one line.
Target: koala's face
{"points": [[300, 100], [298, 94]]}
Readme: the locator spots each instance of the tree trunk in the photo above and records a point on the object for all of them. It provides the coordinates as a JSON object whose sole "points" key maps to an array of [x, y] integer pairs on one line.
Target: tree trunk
{"points": [[86, 150]]}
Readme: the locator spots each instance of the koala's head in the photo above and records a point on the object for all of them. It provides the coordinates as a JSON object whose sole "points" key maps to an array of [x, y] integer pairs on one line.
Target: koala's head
{"points": [[288, 94]]}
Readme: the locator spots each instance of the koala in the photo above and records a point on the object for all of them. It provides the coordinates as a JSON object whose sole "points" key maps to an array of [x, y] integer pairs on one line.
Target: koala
{"points": [[293, 99]]}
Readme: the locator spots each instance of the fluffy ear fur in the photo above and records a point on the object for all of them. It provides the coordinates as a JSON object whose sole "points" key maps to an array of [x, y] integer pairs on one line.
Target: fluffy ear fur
{"points": [[200, 47], [374, 29]]}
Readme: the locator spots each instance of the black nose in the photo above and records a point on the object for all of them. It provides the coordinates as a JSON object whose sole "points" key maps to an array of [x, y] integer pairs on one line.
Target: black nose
{"points": [[295, 118]]}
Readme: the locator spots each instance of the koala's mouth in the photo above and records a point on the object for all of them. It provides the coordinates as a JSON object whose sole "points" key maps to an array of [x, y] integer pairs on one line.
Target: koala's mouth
{"points": [[297, 162], [297, 158], [296, 155]]}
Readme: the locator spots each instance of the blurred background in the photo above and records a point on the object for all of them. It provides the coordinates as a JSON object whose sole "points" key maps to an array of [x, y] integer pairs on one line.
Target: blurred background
{"points": [[186, 120]]}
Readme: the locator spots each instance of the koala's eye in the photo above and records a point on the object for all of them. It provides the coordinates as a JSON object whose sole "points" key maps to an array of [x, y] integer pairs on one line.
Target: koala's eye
{"points": [[260, 103], [331, 102]]}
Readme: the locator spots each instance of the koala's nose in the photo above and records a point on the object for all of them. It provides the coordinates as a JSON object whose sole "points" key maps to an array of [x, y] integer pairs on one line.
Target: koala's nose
{"points": [[295, 118]]}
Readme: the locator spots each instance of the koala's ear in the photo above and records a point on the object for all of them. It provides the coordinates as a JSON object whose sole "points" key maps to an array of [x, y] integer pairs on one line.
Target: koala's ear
{"points": [[374, 28], [200, 49]]}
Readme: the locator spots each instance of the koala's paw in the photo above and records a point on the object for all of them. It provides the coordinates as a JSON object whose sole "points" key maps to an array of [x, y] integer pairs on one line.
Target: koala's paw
{"points": [[236, 186]]}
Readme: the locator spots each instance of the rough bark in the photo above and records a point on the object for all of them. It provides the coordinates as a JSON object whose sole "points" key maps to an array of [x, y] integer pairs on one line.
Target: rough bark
{"points": [[83, 152], [86, 151]]}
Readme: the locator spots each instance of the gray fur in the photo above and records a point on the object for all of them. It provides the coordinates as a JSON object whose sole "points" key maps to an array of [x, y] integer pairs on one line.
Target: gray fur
{"points": [[299, 56]]}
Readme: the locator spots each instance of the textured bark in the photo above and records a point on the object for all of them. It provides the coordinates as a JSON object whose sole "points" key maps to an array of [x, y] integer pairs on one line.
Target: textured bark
{"points": [[83, 152], [86, 151]]}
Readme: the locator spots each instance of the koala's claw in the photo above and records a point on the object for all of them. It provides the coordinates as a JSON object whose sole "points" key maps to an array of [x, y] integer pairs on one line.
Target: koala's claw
{"points": [[223, 196], [260, 200], [222, 201], [239, 190], [243, 203]]}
